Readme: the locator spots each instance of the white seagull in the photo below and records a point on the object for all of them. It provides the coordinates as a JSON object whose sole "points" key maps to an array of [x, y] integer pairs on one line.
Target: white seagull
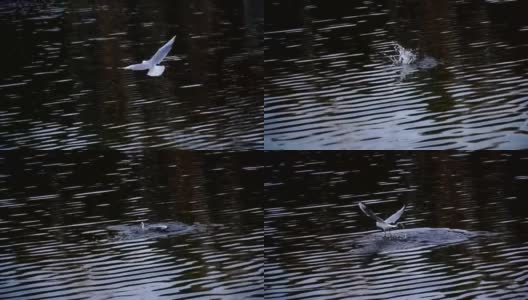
{"points": [[152, 64], [387, 224]]}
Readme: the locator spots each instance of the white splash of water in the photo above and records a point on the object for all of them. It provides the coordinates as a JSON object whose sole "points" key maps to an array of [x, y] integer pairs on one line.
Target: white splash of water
{"points": [[403, 56]]}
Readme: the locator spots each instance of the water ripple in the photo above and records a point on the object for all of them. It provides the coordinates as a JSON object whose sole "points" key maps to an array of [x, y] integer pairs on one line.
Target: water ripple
{"points": [[65, 89], [314, 228], [55, 241], [338, 89]]}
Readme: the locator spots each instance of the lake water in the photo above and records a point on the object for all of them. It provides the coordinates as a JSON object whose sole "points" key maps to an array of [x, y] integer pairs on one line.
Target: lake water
{"points": [[62, 85], [329, 82], [313, 226], [55, 209], [141, 213]]}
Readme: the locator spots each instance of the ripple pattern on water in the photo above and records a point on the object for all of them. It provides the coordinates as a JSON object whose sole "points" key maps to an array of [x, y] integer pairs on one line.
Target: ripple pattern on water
{"points": [[330, 83], [315, 231], [63, 86], [56, 209]]}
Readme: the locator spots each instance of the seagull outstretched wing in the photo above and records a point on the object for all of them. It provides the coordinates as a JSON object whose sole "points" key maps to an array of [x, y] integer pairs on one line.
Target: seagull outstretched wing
{"points": [[369, 213], [138, 67], [162, 52], [394, 218]]}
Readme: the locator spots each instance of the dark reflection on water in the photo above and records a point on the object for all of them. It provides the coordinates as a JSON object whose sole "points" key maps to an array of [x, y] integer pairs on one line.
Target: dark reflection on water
{"points": [[329, 83], [55, 208], [312, 220], [62, 85]]}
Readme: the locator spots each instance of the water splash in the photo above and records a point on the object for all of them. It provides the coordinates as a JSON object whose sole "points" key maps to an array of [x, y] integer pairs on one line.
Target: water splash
{"points": [[403, 56]]}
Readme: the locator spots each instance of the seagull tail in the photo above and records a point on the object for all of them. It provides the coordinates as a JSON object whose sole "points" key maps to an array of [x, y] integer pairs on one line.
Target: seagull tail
{"points": [[156, 71]]}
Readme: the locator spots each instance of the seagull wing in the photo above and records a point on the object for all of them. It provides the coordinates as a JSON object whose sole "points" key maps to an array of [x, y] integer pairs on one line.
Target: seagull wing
{"points": [[369, 212], [162, 52], [138, 67], [392, 219]]}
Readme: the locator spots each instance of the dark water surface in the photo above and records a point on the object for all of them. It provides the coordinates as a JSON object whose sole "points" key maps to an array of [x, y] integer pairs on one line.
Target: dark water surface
{"points": [[55, 210], [314, 230], [329, 83], [62, 86]]}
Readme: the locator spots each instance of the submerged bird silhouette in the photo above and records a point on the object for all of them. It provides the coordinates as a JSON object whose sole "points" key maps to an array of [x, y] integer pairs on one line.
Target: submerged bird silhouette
{"points": [[158, 227], [152, 64], [387, 224]]}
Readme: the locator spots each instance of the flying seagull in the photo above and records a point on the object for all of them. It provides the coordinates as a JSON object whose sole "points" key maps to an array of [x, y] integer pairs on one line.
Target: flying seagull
{"points": [[152, 64], [387, 224]]}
